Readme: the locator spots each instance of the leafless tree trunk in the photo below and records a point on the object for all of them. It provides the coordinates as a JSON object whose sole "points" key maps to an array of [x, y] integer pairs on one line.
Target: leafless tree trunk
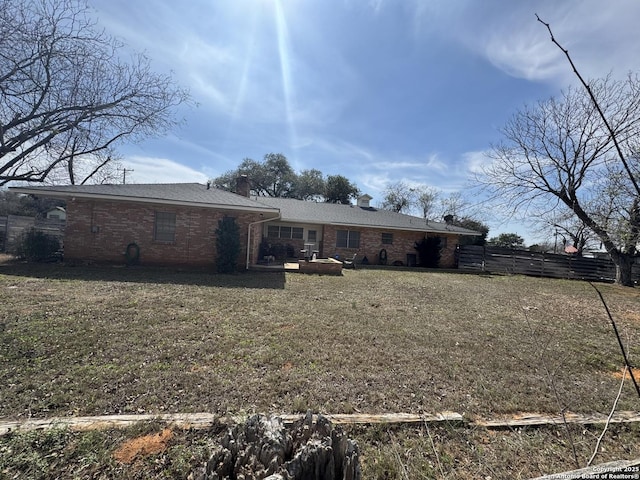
{"points": [[622, 257]]}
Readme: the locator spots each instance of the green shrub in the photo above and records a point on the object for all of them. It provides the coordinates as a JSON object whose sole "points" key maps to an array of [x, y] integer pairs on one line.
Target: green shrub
{"points": [[428, 252], [227, 245], [37, 246]]}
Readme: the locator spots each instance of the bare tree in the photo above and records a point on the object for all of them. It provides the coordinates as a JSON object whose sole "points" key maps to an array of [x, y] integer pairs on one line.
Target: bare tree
{"points": [[560, 152], [562, 227], [69, 92], [427, 201], [398, 197], [455, 205], [100, 167], [574, 234]]}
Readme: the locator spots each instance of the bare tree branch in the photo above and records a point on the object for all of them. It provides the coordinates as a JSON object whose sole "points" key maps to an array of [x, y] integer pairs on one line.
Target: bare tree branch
{"points": [[596, 104], [558, 152], [627, 362], [68, 91]]}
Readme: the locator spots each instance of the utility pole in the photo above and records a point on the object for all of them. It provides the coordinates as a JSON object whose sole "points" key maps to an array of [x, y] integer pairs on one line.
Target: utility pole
{"points": [[124, 174]]}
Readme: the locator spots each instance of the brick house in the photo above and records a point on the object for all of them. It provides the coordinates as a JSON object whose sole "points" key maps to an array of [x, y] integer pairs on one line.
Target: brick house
{"points": [[345, 230], [175, 224]]}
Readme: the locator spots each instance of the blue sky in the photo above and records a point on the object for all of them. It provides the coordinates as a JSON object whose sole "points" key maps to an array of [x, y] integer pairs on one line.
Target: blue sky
{"points": [[376, 90]]}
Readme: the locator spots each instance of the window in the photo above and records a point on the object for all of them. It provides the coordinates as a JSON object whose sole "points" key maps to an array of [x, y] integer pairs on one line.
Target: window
{"points": [[165, 227], [273, 231], [285, 232], [278, 231], [347, 239], [387, 238], [312, 236]]}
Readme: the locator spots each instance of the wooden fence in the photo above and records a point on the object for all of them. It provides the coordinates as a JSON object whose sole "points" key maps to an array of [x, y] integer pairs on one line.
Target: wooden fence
{"points": [[523, 262], [13, 227], [3, 233]]}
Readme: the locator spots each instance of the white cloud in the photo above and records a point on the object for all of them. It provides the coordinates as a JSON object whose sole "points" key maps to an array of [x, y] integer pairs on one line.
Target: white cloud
{"points": [[160, 170], [434, 162], [376, 5], [600, 36], [476, 161], [375, 183], [526, 57], [340, 149], [390, 165]]}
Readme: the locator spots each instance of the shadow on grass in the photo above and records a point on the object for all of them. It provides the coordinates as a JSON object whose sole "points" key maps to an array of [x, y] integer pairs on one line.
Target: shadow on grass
{"points": [[146, 274]]}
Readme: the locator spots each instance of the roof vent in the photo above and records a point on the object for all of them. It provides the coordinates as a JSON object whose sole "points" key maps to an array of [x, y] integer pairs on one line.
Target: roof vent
{"points": [[363, 201]]}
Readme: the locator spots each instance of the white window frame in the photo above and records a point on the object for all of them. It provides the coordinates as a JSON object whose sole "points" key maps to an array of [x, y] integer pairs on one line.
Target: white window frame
{"points": [[298, 231]]}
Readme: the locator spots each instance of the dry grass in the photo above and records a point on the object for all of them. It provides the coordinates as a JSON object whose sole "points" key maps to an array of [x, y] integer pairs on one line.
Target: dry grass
{"points": [[471, 454], [457, 453], [84, 341]]}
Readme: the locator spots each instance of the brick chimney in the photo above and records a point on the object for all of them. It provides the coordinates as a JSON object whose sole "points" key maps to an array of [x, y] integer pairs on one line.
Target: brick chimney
{"points": [[242, 186]]}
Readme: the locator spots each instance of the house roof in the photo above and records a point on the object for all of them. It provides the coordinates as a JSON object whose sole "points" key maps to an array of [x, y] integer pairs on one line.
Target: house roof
{"points": [[289, 210], [351, 215], [188, 194]]}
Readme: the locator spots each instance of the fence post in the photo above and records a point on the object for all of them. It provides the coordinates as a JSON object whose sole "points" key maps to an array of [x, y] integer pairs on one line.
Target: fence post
{"points": [[3, 233]]}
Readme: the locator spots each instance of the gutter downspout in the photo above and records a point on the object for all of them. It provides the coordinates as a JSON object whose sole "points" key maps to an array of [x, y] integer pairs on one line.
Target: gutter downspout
{"points": [[249, 235]]}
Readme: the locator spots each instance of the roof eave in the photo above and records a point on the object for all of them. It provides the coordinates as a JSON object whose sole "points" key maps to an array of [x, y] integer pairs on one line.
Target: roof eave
{"points": [[386, 227], [147, 200], [409, 229]]}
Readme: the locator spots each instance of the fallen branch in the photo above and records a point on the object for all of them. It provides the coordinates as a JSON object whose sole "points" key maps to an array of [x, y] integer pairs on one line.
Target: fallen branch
{"points": [[535, 419], [435, 451], [202, 421], [606, 425]]}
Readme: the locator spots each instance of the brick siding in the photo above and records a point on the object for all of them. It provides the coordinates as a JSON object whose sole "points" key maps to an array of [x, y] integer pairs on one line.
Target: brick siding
{"points": [[99, 231], [371, 245]]}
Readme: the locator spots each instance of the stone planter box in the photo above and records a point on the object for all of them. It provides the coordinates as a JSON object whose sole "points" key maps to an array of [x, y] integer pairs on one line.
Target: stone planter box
{"points": [[328, 266]]}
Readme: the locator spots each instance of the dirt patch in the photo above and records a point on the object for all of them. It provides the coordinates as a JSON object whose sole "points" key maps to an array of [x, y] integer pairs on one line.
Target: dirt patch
{"points": [[142, 446], [632, 316], [636, 373], [287, 367]]}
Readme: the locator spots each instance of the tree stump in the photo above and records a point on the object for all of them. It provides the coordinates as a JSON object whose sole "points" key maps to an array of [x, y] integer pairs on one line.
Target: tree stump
{"points": [[262, 448]]}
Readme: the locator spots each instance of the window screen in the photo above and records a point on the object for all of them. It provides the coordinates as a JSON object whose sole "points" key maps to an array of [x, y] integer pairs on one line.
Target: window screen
{"points": [[347, 239], [165, 227], [297, 232]]}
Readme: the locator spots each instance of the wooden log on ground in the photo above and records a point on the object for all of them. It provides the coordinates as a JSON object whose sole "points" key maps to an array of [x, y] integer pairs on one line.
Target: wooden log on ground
{"points": [[535, 419], [391, 418], [178, 420], [207, 420]]}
